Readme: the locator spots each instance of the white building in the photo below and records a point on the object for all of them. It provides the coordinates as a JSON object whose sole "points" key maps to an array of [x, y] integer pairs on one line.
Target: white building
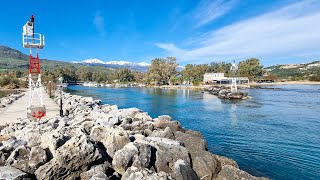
{"points": [[219, 78]]}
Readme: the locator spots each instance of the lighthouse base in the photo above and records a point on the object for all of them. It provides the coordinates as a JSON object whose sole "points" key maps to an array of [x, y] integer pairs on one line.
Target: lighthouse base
{"points": [[36, 112]]}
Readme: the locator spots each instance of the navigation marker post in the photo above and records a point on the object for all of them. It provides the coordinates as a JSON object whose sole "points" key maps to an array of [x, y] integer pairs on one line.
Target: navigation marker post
{"points": [[234, 88], [34, 41], [60, 88]]}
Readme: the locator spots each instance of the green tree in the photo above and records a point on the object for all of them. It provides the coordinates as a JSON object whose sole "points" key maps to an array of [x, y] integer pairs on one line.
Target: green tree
{"points": [[124, 75], [250, 68], [161, 70]]}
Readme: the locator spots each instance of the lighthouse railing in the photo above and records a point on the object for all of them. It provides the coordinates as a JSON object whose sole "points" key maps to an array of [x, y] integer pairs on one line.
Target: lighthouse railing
{"points": [[35, 40]]}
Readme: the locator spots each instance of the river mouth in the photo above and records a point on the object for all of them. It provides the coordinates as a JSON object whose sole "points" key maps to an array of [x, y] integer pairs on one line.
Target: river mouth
{"points": [[273, 134]]}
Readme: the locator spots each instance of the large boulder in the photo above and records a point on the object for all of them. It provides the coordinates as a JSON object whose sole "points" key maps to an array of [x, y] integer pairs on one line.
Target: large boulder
{"points": [[134, 173], [166, 133], [37, 158], [113, 139], [226, 161], [7, 147], [99, 176], [132, 154], [8, 172], [19, 159], [94, 171], [193, 143], [183, 171], [229, 172], [11, 144], [205, 165], [105, 119], [52, 140], [167, 153], [71, 159]]}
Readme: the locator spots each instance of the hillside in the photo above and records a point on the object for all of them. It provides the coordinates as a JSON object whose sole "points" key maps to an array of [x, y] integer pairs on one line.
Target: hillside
{"points": [[295, 71], [12, 59], [6, 52]]}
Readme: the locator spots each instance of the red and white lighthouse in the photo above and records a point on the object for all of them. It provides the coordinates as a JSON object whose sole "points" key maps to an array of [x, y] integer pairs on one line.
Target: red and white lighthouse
{"points": [[34, 41]]}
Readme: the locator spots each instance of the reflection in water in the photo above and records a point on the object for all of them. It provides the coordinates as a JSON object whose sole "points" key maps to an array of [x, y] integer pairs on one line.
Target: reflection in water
{"points": [[211, 102], [186, 92], [233, 115]]}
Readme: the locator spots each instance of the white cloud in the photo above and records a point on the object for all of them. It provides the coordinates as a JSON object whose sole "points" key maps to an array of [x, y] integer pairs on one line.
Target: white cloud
{"points": [[209, 10], [98, 22], [170, 48], [287, 32]]}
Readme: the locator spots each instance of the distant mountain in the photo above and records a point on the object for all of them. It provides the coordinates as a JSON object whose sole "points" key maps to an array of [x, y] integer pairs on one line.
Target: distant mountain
{"points": [[142, 66]]}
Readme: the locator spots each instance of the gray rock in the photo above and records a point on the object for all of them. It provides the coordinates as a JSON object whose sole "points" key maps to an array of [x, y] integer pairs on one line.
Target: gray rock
{"points": [[87, 126], [166, 133], [19, 159], [7, 172], [142, 116], [205, 165], [167, 155], [226, 161], [38, 157], [193, 143], [105, 119], [164, 118], [157, 140], [183, 171], [3, 158], [134, 173], [135, 154], [11, 144], [99, 170], [33, 138], [113, 139], [229, 172], [52, 140], [70, 159], [99, 176]]}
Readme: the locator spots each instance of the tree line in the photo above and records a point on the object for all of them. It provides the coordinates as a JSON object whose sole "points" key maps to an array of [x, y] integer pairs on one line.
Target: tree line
{"points": [[163, 71]]}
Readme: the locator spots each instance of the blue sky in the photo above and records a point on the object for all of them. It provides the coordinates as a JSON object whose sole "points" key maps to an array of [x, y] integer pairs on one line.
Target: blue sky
{"points": [[276, 32]]}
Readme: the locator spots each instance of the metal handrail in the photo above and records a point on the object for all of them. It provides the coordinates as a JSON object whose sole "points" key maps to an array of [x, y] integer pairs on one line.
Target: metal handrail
{"points": [[35, 40]]}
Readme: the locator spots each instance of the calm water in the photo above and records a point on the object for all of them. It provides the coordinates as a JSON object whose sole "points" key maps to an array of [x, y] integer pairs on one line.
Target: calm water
{"points": [[274, 134]]}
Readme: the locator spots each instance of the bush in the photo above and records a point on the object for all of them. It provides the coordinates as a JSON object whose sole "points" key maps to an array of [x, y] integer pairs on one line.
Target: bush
{"points": [[5, 81], [315, 78]]}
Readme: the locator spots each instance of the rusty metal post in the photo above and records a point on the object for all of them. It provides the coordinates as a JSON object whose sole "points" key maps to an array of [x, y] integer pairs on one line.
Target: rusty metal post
{"points": [[50, 89]]}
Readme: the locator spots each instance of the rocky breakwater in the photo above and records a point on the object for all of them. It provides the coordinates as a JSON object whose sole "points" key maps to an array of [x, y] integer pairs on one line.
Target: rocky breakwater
{"points": [[224, 92], [10, 98], [100, 141]]}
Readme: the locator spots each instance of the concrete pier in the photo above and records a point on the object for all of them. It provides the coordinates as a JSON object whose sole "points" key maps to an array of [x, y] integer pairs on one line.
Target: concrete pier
{"points": [[18, 109]]}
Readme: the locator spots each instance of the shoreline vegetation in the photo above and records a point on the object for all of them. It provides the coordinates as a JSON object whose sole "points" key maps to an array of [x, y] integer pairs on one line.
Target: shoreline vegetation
{"points": [[201, 87]]}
